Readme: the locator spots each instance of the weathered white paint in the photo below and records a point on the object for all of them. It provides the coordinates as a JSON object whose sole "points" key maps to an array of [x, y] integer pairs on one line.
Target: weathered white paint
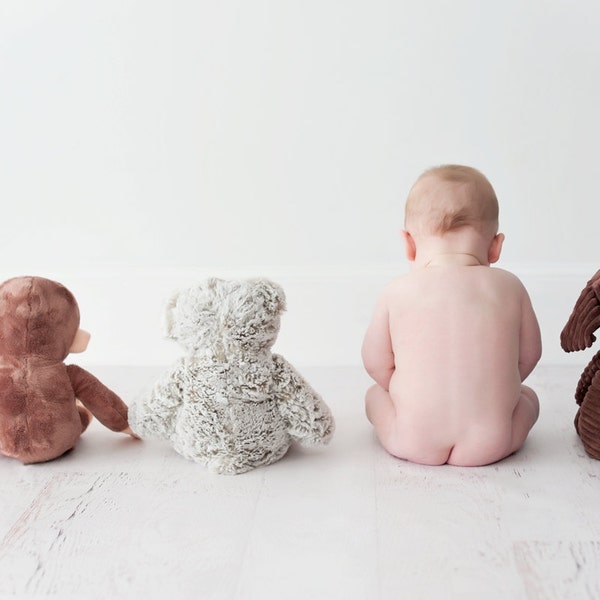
{"points": [[123, 519]]}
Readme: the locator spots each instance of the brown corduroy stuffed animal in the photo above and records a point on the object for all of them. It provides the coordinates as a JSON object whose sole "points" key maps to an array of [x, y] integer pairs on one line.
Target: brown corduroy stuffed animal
{"points": [[578, 334], [40, 416]]}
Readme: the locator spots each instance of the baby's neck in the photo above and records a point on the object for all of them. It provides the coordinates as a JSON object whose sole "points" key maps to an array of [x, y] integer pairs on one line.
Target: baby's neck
{"points": [[455, 259]]}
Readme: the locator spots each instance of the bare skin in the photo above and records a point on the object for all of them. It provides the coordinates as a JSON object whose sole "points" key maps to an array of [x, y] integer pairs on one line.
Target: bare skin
{"points": [[449, 346]]}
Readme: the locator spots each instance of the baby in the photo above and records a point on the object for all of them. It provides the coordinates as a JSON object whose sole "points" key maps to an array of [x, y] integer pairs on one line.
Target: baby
{"points": [[450, 342]]}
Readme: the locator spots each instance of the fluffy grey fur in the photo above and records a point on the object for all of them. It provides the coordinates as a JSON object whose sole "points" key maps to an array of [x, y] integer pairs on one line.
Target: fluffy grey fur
{"points": [[230, 403]]}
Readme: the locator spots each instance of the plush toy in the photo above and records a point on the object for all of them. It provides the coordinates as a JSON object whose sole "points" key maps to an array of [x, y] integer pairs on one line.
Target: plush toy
{"points": [[578, 334], [230, 403], [39, 416]]}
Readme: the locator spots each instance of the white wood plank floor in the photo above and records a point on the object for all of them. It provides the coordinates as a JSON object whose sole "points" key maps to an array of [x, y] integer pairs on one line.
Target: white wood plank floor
{"points": [[123, 519]]}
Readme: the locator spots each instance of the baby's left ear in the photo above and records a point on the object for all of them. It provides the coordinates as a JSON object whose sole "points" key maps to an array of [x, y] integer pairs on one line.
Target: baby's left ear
{"points": [[495, 248], [272, 295]]}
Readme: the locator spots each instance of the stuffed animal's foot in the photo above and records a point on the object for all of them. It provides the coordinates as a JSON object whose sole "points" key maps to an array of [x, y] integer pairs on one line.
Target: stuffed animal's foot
{"points": [[587, 422], [586, 378]]}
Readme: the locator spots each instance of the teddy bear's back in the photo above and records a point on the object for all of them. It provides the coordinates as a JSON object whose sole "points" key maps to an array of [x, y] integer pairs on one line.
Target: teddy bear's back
{"points": [[229, 418], [38, 415]]}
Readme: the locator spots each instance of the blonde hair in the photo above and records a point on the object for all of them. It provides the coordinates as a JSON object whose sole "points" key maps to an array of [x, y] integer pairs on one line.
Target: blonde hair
{"points": [[451, 197]]}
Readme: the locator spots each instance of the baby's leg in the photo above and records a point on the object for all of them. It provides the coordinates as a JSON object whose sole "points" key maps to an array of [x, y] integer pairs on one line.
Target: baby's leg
{"points": [[498, 445], [382, 414], [524, 417]]}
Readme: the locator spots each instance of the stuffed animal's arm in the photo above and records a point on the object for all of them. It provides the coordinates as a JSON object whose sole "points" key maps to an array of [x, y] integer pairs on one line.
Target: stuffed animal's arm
{"points": [[377, 352], [104, 404], [578, 333], [154, 413], [308, 418]]}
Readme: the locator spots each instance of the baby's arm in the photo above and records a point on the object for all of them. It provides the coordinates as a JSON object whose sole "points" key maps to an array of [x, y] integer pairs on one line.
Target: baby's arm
{"points": [[377, 353], [530, 341]]}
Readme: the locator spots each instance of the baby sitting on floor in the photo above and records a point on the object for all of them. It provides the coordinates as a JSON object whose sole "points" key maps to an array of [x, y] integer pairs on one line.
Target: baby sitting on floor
{"points": [[451, 342]]}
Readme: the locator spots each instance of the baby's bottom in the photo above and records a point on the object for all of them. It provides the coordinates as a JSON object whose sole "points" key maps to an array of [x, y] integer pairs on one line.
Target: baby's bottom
{"points": [[381, 412]]}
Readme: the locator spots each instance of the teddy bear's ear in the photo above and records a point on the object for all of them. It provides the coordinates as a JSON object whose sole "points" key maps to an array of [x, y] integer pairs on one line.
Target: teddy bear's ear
{"points": [[185, 306], [203, 295], [272, 295], [169, 316], [212, 284]]}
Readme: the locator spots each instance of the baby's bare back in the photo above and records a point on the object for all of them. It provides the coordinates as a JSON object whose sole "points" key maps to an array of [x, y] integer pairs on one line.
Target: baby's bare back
{"points": [[455, 337]]}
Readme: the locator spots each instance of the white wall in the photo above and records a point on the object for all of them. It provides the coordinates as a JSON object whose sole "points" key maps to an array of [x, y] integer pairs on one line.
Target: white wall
{"points": [[145, 139]]}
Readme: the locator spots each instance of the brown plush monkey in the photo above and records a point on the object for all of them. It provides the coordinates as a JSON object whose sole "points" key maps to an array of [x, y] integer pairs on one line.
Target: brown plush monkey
{"points": [[578, 334], [40, 416]]}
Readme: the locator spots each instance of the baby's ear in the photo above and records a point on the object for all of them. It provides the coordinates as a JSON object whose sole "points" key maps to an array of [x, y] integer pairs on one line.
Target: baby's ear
{"points": [[410, 248], [495, 248]]}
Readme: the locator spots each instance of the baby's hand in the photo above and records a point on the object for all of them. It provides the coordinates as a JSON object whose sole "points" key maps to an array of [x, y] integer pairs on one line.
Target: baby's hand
{"points": [[128, 431]]}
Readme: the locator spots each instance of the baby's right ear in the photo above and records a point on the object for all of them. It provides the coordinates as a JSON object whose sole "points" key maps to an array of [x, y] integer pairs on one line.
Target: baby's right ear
{"points": [[495, 248], [410, 248]]}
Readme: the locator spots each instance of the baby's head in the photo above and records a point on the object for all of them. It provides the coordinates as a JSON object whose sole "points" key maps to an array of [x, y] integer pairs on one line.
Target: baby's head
{"points": [[453, 203], [450, 197]]}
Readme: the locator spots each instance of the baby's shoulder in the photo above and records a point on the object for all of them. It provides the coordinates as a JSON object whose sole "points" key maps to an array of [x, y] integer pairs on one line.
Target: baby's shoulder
{"points": [[506, 280], [398, 291], [397, 286], [503, 275]]}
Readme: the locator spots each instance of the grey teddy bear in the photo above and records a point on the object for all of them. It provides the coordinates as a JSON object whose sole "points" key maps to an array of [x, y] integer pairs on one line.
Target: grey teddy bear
{"points": [[230, 403]]}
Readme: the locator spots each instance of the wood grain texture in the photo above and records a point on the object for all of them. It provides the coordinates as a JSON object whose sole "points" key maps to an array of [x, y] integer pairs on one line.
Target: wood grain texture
{"points": [[117, 518], [559, 570]]}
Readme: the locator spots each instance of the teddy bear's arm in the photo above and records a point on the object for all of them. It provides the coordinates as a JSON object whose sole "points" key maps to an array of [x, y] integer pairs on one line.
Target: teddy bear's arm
{"points": [[154, 413], [308, 418], [104, 404]]}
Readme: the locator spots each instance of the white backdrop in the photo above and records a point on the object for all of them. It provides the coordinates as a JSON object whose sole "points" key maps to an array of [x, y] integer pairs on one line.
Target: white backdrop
{"points": [[147, 141]]}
